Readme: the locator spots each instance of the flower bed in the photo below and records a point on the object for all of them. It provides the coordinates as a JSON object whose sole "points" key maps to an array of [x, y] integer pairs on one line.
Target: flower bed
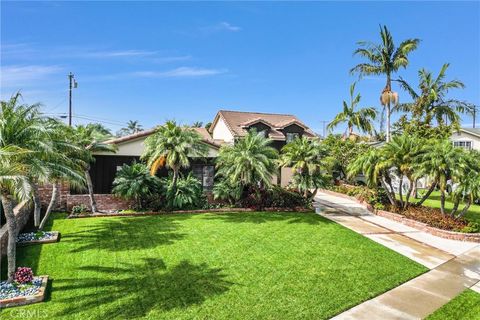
{"points": [[37, 237], [15, 294], [150, 213], [432, 222]]}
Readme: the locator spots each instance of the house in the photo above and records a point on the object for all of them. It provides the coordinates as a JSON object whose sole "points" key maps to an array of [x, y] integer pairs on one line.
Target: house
{"points": [[227, 127], [467, 138]]}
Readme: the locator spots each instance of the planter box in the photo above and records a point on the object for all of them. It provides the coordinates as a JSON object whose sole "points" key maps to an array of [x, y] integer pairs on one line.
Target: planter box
{"points": [[52, 240], [452, 235], [20, 301]]}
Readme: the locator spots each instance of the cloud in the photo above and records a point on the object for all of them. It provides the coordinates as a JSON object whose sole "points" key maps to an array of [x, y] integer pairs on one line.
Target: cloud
{"points": [[121, 53], [219, 27], [171, 59], [182, 72], [21, 75]]}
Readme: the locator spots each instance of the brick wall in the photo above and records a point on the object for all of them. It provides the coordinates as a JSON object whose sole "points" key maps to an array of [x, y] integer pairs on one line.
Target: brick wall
{"points": [[105, 202], [45, 192], [22, 211]]}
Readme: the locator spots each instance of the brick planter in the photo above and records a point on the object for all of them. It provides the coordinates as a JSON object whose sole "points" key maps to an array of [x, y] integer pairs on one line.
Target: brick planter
{"points": [[224, 210], [20, 301], [452, 235], [52, 240]]}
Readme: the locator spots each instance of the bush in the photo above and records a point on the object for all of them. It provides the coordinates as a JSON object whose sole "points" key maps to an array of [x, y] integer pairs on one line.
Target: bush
{"points": [[276, 197], [135, 182], [81, 208], [224, 190], [23, 275], [187, 194], [376, 197]]}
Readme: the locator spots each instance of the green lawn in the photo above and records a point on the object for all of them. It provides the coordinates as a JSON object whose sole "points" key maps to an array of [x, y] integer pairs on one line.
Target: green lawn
{"points": [[473, 214], [465, 306], [209, 266]]}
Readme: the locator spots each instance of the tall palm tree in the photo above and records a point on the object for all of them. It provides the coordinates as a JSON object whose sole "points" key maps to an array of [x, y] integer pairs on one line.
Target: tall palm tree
{"points": [[90, 141], [384, 58], [430, 102], [65, 165], [172, 145], [361, 118], [133, 126], [306, 158], [251, 161], [23, 141]]}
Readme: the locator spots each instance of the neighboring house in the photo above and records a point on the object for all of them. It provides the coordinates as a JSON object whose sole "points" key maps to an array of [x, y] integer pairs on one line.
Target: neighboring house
{"points": [[226, 128], [467, 138]]}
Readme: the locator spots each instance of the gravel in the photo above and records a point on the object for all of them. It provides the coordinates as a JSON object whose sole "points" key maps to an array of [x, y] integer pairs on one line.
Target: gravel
{"points": [[30, 236], [13, 290]]}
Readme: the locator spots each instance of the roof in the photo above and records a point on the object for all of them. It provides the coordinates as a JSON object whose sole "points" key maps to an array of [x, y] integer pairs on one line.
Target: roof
{"points": [[474, 131], [237, 121], [206, 137]]}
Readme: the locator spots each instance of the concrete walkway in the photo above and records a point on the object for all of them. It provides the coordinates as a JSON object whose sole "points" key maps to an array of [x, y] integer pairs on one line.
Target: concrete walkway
{"points": [[455, 265]]}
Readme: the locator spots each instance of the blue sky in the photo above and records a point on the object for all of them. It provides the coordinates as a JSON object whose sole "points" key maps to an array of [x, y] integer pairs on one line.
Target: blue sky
{"points": [[152, 61]]}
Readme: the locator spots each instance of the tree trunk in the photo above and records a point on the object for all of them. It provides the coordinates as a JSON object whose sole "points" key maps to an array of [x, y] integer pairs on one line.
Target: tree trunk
{"points": [[93, 203], [400, 192], [12, 235], [389, 195], [37, 205], [465, 209], [429, 192], [407, 196], [51, 205], [175, 177], [414, 191], [455, 207], [442, 201], [388, 122]]}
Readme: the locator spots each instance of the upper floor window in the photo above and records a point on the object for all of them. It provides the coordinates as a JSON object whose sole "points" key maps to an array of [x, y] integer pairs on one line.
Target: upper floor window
{"points": [[292, 136], [463, 144]]}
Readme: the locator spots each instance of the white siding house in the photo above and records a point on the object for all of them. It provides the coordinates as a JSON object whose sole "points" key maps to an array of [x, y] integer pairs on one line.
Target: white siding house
{"points": [[468, 138]]}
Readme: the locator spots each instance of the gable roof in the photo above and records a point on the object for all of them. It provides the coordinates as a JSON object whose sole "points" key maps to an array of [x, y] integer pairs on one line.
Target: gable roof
{"points": [[472, 131], [237, 121], [206, 137]]}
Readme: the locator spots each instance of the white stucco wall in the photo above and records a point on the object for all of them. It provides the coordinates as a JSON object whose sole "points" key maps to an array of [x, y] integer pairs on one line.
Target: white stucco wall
{"points": [[221, 132], [465, 136], [136, 147]]}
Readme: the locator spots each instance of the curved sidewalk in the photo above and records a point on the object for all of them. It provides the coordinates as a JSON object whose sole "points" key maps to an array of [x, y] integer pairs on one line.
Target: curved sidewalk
{"points": [[455, 265]]}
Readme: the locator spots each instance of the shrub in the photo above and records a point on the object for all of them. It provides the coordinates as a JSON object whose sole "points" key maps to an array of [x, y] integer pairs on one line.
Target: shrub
{"points": [[23, 275], [224, 190], [277, 197], [135, 182], [81, 208], [376, 197], [187, 194]]}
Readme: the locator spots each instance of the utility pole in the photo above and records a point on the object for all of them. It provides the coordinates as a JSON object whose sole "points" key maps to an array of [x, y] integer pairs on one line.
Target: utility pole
{"points": [[324, 128], [72, 84], [474, 111]]}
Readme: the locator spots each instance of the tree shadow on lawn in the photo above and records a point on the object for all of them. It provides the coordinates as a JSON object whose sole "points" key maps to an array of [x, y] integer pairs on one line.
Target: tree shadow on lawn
{"points": [[268, 216], [138, 289], [121, 234]]}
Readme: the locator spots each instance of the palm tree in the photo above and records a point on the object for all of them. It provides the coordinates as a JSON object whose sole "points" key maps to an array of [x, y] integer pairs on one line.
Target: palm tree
{"points": [[197, 124], [91, 141], [23, 140], [250, 161], [66, 164], [431, 102], [306, 158], [437, 162], [361, 119], [172, 145], [384, 58], [133, 126], [134, 182]]}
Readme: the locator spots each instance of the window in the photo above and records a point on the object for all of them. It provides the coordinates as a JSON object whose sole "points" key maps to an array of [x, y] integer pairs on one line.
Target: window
{"points": [[292, 136], [463, 144]]}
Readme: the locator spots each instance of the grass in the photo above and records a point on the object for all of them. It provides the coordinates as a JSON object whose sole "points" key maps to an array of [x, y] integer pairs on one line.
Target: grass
{"points": [[473, 214], [261, 265], [465, 306]]}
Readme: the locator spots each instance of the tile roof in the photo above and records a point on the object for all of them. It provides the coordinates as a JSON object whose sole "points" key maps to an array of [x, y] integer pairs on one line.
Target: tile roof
{"points": [[206, 137], [237, 120]]}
